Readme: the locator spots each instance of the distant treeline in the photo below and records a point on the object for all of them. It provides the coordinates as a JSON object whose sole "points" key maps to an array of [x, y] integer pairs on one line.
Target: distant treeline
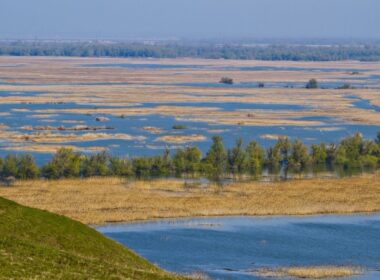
{"points": [[285, 155], [172, 50]]}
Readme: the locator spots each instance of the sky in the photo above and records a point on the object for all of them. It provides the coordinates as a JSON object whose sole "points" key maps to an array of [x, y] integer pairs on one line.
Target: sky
{"points": [[189, 19]]}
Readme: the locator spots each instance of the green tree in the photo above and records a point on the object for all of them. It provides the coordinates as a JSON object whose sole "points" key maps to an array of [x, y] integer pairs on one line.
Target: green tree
{"points": [[187, 160], [349, 151], [161, 165], [96, 165], [10, 166], [1, 166], [216, 159], [120, 167], [299, 158], [312, 84], [64, 164], [27, 168], [319, 154], [236, 158], [141, 167], [254, 159]]}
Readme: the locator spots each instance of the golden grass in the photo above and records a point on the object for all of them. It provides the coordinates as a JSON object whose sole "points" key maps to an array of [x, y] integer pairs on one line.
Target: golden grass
{"points": [[181, 138], [103, 200], [51, 137], [35, 148], [313, 272]]}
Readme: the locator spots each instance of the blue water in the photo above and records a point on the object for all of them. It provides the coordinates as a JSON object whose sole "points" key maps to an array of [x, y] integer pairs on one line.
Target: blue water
{"points": [[231, 247], [149, 146]]}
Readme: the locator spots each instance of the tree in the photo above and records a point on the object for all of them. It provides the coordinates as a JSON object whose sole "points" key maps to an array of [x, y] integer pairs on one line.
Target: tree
{"points": [[1, 167], [27, 168], [10, 166], [312, 84], [120, 167], [254, 159], [161, 165], [319, 154], [216, 158], [141, 167], [279, 154], [187, 160], [64, 164], [226, 80], [299, 158], [349, 151], [236, 158], [96, 165]]}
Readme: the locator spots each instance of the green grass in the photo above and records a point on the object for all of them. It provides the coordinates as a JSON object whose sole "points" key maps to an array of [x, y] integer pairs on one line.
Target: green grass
{"points": [[179, 126], [36, 244]]}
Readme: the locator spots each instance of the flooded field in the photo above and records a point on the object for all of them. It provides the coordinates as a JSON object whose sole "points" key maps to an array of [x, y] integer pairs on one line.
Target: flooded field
{"points": [[131, 107], [251, 248]]}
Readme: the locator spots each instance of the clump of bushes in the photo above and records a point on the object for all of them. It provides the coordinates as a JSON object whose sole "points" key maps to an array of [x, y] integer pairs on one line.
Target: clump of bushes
{"points": [[312, 84], [179, 126], [345, 86], [226, 80], [261, 85], [250, 159]]}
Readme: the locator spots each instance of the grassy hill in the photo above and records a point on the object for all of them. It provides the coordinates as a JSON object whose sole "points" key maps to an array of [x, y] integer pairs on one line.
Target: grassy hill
{"points": [[40, 245]]}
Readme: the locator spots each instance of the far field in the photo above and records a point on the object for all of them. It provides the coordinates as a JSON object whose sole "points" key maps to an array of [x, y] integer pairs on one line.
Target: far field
{"points": [[132, 106], [107, 200]]}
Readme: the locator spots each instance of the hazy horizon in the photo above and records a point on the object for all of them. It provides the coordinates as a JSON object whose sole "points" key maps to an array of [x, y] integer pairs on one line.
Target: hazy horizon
{"points": [[189, 19]]}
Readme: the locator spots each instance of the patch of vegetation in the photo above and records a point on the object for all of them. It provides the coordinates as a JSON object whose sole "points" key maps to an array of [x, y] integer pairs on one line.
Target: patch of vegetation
{"points": [[345, 86], [314, 272], [312, 84], [179, 126], [226, 80], [352, 153], [36, 244], [291, 52]]}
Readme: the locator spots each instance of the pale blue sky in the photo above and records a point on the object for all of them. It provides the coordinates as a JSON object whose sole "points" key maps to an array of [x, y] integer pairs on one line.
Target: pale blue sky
{"points": [[193, 19]]}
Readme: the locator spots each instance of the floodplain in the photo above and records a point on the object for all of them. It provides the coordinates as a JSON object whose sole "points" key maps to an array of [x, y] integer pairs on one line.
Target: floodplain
{"points": [[98, 104]]}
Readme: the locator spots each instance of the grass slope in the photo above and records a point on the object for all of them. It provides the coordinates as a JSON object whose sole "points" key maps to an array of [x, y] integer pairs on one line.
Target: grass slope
{"points": [[36, 244]]}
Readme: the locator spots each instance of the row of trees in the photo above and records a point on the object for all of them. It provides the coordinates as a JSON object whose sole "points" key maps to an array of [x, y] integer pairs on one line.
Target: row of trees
{"points": [[351, 152], [172, 50]]}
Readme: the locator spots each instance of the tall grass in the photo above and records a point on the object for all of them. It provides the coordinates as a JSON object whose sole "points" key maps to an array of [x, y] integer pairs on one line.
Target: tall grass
{"points": [[110, 199]]}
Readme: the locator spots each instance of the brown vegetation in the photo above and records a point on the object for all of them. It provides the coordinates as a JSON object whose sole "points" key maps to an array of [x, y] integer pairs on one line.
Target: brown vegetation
{"points": [[313, 272], [103, 200]]}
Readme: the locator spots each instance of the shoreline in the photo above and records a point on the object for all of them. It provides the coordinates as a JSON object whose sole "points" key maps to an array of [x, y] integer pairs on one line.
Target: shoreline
{"points": [[175, 219], [110, 200]]}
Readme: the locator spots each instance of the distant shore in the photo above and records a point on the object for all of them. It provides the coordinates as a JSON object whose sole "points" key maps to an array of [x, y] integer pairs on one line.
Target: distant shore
{"points": [[110, 200]]}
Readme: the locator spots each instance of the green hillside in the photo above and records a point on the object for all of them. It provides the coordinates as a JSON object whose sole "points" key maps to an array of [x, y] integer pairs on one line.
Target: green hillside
{"points": [[36, 244]]}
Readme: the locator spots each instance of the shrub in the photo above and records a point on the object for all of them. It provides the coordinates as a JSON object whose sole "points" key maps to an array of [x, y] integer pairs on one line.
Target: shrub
{"points": [[236, 158], [179, 126], [254, 159], [312, 84], [216, 159], [226, 80], [65, 164]]}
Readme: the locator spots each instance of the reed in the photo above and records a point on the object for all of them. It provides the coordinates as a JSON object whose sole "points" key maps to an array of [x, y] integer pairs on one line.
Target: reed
{"points": [[110, 199]]}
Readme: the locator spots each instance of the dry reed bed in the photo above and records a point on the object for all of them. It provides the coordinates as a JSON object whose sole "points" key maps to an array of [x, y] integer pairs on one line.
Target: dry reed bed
{"points": [[313, 272], [104, 200]]}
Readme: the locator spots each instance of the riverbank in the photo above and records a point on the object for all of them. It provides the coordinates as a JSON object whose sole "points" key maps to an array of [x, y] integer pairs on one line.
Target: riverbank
{"points": [[108, 200]]}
